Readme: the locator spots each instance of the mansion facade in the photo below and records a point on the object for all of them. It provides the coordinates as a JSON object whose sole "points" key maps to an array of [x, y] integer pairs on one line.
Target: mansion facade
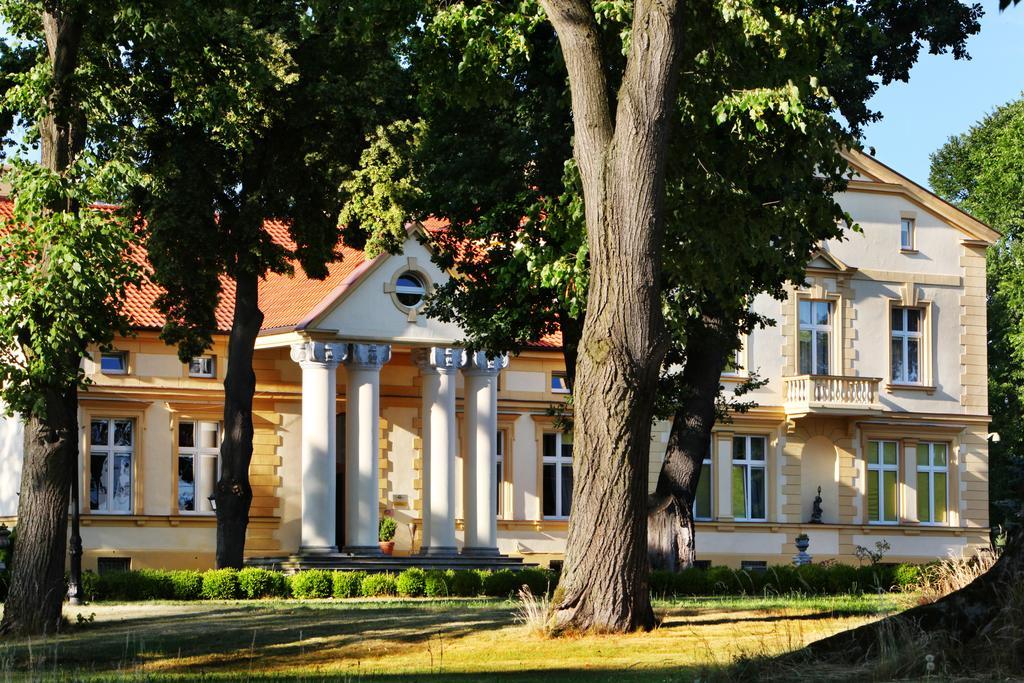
{"points": [[876, 397]]}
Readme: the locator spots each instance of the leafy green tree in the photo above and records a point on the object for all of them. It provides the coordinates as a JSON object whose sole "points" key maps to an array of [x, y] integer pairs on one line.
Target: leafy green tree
{"points": [[249, 110], [980, 171], [64, 267]]}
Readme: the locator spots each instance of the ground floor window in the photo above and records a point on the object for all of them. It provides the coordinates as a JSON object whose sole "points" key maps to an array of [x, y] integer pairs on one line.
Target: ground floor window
{"points": [[111, 450], [883, 474], [499, 457], [198, 464], [932, 482], [702, 497], [557, 475], [749, 478]]}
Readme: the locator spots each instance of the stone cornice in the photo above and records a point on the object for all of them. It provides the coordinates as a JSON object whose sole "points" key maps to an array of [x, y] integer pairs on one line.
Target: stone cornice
{"points": [[440, 359]]}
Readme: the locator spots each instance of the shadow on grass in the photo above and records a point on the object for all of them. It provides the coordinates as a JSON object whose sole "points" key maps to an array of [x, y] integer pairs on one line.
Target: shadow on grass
{"points": [[232, 637], [770, 618]]}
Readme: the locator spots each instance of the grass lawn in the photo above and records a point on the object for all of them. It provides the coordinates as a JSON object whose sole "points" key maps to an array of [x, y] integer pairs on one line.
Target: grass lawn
{"points": [[417, 640]]}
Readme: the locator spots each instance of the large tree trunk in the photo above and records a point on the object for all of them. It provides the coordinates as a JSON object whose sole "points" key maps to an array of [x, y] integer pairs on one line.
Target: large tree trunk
{"points": [[969, 616], [604, 586], [670, 531], [36, 593], [233, 493]]}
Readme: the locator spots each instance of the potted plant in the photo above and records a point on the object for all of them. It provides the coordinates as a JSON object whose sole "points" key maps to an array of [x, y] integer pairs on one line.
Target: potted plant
{"points": [[386, 535]]}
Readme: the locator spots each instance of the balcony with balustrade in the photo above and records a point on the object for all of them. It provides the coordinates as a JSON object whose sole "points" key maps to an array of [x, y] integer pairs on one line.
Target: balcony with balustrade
{"points": [[830, 395]]}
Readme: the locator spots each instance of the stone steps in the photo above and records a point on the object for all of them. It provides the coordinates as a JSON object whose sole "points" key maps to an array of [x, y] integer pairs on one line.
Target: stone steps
{"points": [[289, 564]]}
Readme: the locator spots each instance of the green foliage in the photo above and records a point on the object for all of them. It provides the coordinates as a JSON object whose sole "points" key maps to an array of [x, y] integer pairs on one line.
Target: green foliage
{"points": [[310, 584], [908, 577], [466, 583], [539, 581], [386, 529], [438, 583], [186, 584], [346, 584], [378, 585], [256, 582], [412, 583], [501, 584], [220, 584]]}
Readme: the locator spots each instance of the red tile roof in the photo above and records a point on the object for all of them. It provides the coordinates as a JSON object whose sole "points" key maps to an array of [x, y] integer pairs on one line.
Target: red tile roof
{"points": [[287, 301]]}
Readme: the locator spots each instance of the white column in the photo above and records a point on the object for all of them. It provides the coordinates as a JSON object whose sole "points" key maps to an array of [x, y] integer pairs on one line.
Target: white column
{"points": [[319, 363], [438, 367], [480, 476], [362, 446]]}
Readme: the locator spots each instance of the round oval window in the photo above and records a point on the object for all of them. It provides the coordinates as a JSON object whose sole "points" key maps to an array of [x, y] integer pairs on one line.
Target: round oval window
{"points": [[409, 289]]}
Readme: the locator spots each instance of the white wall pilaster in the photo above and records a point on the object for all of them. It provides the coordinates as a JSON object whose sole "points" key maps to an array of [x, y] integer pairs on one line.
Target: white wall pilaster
{"points": [[438, 366], [480, 477], [362, 446], [319, 363]]}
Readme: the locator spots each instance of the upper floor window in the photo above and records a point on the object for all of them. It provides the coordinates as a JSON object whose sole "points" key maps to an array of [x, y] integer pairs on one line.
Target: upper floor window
{"points": [[114, 362], [203, 366], [410, 289], [907, 234], [556, 495], [111, 450], [749, 478], [883, 474], [906, 345], [932, 486], [734, 363], [702, 497], [198, 464], [815, 338], [559, 383]]}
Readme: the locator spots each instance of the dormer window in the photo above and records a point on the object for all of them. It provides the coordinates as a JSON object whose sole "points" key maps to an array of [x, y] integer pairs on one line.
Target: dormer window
{"points": [[203, 366], [114, 362], [907, 234]]}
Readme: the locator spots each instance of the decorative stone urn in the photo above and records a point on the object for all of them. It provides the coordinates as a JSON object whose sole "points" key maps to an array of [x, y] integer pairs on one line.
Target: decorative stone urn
{"points": [[802, 543]]}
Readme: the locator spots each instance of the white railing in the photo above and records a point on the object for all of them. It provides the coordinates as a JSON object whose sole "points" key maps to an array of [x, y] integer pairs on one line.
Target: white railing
{"points": [[806, 393]]}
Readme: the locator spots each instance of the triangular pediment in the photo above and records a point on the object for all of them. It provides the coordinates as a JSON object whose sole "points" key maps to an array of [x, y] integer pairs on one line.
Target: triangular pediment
{"points": [[823, 260]]}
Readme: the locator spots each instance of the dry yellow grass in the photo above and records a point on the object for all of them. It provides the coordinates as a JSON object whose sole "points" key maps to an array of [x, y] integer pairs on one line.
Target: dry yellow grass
{"points": [[426, 640]]}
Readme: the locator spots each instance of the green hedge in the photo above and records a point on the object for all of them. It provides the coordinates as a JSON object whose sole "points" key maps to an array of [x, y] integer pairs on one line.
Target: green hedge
{"points": [[256, 583]]}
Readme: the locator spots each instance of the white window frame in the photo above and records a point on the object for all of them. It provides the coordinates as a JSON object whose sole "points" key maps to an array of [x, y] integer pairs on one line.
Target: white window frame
{"points": [[905, 336], [932, 469], [198, 452], [563, 386], [814, 328], [499, 465], [878, 470], [711, 492], [748, 464], [907, 230], [202, 372], [120, 354], [112, 451], [560, 462], [420, 290]]}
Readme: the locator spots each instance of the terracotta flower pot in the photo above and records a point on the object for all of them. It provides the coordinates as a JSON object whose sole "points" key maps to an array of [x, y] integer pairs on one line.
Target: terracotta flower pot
{"points": [[387, 547]]}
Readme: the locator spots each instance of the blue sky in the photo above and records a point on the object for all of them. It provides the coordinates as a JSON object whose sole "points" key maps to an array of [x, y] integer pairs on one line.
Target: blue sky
{"points": [[945, 96]]}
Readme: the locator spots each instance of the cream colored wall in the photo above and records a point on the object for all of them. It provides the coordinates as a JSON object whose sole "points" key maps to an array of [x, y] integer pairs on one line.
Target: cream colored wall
{"points": [[290, 529], [11, 450]]}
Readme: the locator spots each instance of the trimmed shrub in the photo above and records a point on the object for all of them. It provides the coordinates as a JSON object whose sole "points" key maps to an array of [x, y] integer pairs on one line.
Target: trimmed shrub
{"points": [[908, 577], [466, 583], [346, 584], [186, 584], [662, 583], [309, 584], [539, 581], [842, 578], [256, 582], [90, 585], [386, 529], [501, 584], [721, 581], [438, 583], [814, 578], [220, 584], [378, 585], [691, 581], [412, 583]]}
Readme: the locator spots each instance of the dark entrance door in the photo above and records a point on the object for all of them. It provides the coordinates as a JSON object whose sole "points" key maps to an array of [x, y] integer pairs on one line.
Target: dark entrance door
{"points": [[339, 481]]}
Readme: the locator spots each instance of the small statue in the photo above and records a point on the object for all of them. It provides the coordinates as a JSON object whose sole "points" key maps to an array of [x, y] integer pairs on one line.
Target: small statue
{"points": [[816, 512]]}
